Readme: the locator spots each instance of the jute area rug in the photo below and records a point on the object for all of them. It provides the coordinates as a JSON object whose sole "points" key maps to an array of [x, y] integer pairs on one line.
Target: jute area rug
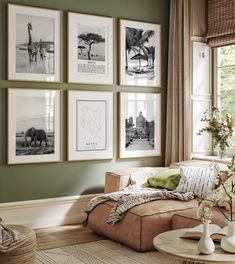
{"points": [[101, 252]]}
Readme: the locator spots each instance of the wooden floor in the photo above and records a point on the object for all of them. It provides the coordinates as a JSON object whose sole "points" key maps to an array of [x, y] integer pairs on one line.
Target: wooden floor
{"points": [[62, 236]]}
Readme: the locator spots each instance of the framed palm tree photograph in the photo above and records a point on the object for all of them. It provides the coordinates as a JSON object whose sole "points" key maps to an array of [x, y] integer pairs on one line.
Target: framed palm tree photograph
{"points": [[34, 44], [90, 49], [140, 53]]}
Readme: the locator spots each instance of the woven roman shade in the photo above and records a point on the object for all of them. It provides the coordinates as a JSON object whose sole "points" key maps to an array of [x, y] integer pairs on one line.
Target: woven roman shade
{"points": [[221, 23]]}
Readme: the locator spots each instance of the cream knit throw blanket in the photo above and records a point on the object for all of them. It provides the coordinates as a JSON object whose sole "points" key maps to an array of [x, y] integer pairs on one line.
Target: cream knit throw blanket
{"points": [[9, 238], [127, 199]]}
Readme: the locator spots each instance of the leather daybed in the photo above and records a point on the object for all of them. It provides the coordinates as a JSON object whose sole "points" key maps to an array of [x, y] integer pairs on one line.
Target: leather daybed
{"points": [[143, 222]]}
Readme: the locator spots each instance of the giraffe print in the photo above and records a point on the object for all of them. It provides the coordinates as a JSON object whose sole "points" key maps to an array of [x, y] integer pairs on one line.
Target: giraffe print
{"points": [[32, 48], [42, 51]]}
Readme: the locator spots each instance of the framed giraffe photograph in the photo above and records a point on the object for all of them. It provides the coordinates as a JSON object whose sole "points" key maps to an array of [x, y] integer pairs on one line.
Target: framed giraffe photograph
{"points": [[33, 125], [34, 44], [90, 49]]}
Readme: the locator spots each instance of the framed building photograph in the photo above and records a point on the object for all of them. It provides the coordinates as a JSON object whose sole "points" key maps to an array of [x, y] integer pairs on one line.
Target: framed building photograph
{"points": [[33, 125], [140, 125], [140, 53], [34, 44], [90, 125], [90, 49]]}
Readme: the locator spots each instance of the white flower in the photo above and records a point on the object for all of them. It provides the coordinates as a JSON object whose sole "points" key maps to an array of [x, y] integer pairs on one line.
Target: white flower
{"points": [[205, 212], [224, 194]]}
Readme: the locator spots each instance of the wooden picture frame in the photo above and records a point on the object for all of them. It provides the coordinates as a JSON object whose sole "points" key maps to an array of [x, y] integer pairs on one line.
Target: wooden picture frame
{"points": [[34, 44], [140, 53], [90, 125], [90, 49], [34, 125], [140, 125]]}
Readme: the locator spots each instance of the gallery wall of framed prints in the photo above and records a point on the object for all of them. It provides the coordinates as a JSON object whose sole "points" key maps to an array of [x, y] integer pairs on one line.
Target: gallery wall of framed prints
{"points": [[34, 115], [34, 44]]}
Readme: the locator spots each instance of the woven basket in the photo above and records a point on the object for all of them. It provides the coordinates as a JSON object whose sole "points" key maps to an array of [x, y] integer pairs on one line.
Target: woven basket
{"points": [[24, 254]]}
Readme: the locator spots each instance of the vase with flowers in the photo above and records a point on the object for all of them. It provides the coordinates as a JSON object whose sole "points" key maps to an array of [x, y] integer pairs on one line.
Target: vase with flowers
{"points": [[206, 245], [224, 194], [220, 128]]}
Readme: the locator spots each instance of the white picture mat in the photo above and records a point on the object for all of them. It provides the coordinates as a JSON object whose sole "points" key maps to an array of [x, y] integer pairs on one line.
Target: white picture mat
{"points": [[92, 21], [13, 10], [28, 93], [73, 97], [145, 26], [157, 129]]}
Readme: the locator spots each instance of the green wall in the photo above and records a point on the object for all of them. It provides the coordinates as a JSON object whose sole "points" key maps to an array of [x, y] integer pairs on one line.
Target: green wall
{"points": [[36, 181]]}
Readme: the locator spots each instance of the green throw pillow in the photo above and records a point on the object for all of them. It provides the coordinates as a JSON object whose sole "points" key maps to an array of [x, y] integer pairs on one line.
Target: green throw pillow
{"points": [[167, 179]]}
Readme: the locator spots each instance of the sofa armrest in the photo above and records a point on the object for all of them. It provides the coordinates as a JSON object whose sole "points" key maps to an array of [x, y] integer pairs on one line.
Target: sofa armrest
{"points": [[198, 163], [118, 180]]}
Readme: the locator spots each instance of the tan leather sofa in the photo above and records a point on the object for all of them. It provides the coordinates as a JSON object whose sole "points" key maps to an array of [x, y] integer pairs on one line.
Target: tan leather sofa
{"points": [[143, 222]]}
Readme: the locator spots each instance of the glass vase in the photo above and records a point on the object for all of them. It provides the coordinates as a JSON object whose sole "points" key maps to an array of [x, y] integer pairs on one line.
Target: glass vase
{"points": [[221, 151], [206, 245], [228, 242]]}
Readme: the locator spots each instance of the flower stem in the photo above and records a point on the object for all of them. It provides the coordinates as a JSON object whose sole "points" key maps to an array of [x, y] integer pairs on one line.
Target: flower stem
{"points": [[226, 190]]}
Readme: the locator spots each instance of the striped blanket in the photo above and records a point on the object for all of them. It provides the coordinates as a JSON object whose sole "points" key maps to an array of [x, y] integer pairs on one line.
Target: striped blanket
{"points": [[128, 198]]}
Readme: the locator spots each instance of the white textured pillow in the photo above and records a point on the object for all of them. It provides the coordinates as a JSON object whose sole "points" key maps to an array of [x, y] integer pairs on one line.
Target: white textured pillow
{"points": [[140, 177], [198, 180]]}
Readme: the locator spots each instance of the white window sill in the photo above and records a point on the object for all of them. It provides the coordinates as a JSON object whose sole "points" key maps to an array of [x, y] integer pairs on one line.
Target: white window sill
{"points": [[213, 158]]}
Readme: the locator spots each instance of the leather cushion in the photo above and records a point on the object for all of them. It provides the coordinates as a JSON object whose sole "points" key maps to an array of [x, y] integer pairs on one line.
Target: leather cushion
{"points": [[188, 219], [140, 224]]}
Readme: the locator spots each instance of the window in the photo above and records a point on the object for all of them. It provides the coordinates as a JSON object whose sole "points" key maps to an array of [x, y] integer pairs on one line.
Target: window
{"points": [[225, 80]]}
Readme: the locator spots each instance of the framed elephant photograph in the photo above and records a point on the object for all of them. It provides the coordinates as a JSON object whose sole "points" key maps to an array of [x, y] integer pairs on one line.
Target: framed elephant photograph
{"points": [[90, 49], [140, 53], [33, 125], [34, 44]]}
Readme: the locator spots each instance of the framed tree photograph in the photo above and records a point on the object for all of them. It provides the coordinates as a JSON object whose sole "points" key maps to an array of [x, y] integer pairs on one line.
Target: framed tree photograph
{"points": [[140, 53], [33, 125], [140, 125], [90, 125], [34, 44], [90, 49]]}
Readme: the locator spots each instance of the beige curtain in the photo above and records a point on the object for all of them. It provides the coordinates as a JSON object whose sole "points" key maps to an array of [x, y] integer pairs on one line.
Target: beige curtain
{"points": [[221, 23], [178, 86]]}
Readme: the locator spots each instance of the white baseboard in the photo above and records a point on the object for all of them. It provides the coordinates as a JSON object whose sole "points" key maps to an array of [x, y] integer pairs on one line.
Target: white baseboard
{"points": [[46, 212]]}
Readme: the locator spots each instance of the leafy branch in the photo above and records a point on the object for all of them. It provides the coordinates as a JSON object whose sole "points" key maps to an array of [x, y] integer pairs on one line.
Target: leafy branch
{"points": [[220, 128]]}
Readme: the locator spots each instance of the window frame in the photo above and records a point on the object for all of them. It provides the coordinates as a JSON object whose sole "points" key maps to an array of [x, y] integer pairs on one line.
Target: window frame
{"points": [[230, 151]]}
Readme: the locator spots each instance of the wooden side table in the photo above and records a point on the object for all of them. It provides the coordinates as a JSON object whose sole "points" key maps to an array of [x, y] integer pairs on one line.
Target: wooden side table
{"points": [[186, 249], [24, 254]]}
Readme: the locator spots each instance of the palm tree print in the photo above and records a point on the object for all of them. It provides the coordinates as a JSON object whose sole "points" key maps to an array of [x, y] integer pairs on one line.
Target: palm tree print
{"points": [[130, 42], [150, 55], [138, 44]]}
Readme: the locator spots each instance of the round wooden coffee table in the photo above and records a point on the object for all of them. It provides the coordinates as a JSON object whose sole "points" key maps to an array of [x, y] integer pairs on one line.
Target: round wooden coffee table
{"points": [[186, 249]]}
